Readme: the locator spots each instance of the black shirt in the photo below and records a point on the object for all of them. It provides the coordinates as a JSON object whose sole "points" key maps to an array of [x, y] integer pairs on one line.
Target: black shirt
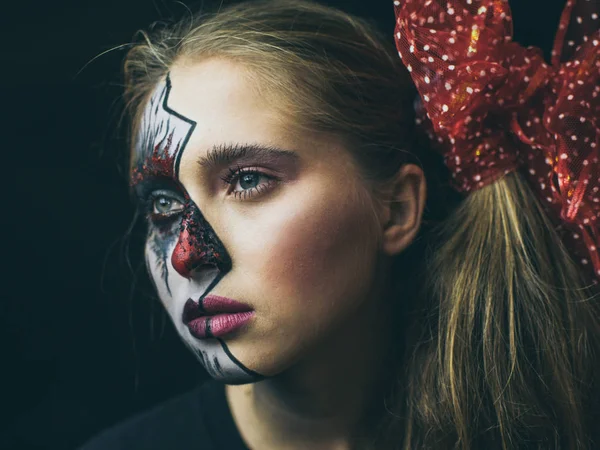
{"points": [[197, 420]]}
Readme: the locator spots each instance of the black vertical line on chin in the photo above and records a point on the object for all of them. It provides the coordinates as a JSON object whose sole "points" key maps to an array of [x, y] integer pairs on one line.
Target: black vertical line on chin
{"points": [[218, 366], [253, 374], [201, 354], [185, 119], [212, 366]]}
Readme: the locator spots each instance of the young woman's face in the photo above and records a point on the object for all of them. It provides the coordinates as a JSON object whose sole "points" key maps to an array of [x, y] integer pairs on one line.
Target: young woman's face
{"points": [[239, 208]]}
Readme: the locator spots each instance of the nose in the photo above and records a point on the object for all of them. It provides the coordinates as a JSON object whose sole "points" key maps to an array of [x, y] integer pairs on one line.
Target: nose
{"points": [[188, 254], [198, 246]]}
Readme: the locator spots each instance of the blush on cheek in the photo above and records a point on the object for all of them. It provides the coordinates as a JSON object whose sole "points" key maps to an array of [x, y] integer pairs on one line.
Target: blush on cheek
{"points": [[312, 253]]}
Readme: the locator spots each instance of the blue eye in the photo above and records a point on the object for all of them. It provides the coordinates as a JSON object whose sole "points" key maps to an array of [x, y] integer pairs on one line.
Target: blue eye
{"points": [[166, 205], [248, 179]]}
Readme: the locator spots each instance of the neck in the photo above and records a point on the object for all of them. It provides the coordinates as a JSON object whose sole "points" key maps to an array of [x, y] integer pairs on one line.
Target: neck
{"points": [[324, 400]]}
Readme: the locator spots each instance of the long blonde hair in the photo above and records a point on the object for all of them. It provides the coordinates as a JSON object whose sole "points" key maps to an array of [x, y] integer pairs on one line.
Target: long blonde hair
{"points": [[503, 345]]}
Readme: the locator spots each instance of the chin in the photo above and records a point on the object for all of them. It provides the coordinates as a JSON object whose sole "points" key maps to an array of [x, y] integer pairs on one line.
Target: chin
{"points": [[220, 361], [269, 353]]}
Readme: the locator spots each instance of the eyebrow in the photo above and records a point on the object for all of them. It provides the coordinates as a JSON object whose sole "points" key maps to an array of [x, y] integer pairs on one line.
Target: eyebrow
{"points": [[224, 154]]}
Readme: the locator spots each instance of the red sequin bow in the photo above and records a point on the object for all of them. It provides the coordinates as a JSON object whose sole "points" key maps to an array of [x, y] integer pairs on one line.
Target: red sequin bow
{"points": [[492, 106]]}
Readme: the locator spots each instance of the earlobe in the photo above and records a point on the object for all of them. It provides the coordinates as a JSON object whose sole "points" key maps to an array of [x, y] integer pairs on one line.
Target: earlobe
{"points": [[405, 209]]}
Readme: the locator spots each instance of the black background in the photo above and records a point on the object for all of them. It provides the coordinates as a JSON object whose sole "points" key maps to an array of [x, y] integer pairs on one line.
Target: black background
{"points": [[83, 342]]}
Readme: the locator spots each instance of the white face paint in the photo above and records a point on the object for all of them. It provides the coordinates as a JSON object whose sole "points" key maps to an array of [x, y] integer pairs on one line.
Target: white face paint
{"points": [[212, 353], [162, 140], [241, 207]]}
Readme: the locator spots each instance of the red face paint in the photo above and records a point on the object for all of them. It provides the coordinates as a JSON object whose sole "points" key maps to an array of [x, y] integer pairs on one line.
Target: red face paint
{"points": [[198, 245]]}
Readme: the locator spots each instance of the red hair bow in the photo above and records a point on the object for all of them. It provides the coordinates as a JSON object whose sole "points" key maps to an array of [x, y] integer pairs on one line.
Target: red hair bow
{"points": [[492, 106]]}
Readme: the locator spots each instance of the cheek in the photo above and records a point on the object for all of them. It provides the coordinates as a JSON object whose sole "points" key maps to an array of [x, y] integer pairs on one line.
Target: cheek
{"points": [[305, 250]]}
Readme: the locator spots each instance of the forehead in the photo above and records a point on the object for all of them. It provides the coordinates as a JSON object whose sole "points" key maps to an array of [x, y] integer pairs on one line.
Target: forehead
{"points": [[224, 101], [199, 106], [225, 104]]}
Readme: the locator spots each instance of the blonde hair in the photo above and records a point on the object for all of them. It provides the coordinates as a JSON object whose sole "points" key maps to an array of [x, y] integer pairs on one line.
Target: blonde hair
{"points": [[504, 337]]}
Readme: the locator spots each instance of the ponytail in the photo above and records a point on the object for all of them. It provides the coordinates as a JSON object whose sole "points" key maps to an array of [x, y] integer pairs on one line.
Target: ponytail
{"points": [[507, 349]]}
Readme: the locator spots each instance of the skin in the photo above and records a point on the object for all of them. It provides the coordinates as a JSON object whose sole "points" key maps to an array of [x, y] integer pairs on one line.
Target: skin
{"points": [[310, 254]]}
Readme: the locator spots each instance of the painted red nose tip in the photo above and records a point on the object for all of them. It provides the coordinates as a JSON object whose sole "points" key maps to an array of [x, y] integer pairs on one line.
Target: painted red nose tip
{"points": [[187, 255]]}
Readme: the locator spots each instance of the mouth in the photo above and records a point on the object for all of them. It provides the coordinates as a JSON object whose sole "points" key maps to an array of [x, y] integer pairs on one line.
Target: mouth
{"points": [[215, 316]]}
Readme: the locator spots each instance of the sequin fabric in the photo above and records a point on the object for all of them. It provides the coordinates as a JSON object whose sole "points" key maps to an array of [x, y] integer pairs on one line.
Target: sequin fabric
{"points": [[492, 106]]}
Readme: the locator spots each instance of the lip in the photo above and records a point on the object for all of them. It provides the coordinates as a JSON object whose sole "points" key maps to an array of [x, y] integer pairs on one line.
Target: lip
{"points": [[215, 316]]}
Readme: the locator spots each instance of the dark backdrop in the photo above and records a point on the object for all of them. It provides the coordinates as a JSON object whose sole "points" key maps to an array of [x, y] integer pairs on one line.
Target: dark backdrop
{"points": [[83, 343]]}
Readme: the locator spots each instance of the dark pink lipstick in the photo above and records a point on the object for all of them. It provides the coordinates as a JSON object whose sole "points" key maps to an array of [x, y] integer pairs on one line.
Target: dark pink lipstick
{"points": [[215, 316]]}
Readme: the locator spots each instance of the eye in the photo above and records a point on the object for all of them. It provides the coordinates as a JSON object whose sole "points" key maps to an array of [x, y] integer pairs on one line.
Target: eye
{"points": [[249, 182], [165, 205]]}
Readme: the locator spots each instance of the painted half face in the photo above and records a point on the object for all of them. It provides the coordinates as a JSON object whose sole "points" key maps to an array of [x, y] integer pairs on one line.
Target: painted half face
{"points": [[182, 252], [258, 238]]}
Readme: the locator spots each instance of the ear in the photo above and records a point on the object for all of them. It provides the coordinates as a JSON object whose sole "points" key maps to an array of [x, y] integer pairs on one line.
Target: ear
{"points": [[403, 208]]}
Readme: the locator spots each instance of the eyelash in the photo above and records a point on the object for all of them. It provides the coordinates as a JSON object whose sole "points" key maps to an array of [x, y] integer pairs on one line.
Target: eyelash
{"points": [[235, 174]]}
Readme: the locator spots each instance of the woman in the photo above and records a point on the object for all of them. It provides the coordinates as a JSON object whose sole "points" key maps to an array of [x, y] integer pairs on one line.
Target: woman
{"points": [[316, 254]]}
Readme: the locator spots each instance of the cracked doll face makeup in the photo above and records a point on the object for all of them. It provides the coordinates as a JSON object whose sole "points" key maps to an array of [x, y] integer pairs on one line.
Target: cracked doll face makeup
{"points": [[258, 237]]}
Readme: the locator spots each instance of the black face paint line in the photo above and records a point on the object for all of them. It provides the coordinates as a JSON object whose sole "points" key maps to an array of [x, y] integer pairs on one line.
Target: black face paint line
{"points": [[162, 139], [163, 135]]}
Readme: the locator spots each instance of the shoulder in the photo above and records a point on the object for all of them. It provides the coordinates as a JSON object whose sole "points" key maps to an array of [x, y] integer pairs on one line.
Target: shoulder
{"points": [[179, 419]]}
